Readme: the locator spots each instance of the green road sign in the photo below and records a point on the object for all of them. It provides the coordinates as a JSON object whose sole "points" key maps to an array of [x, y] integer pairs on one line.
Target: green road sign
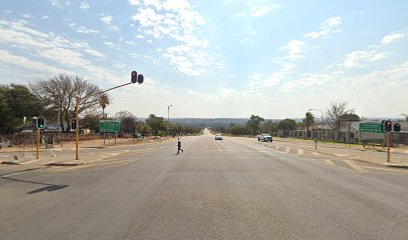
{"points": [[371, 127], [109, 126]]}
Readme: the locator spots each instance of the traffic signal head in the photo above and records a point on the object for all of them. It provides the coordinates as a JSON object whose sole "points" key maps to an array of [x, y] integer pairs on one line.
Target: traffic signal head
{"points": [[133, 77], [74, 124], [140, 79], [388, 126], [397, 127], [34, 121], [41, 122]]}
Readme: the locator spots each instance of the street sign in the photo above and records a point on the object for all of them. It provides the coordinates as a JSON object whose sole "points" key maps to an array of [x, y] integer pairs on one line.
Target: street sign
{"points": [[109, 126], [371, 127]]}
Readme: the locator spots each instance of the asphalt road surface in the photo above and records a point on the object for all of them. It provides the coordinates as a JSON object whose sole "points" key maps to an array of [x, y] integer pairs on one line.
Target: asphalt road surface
{"points": [[229, 189]]}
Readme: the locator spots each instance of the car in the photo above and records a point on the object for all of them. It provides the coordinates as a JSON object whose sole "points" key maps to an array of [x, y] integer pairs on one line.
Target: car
{"points": [[265, 137], [218, 137]]}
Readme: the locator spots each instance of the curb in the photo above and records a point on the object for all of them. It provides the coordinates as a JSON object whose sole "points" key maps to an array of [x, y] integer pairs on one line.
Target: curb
{"points": [[394, 165]]}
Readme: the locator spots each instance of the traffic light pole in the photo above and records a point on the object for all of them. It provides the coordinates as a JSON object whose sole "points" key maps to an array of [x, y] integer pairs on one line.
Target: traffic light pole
{"points": [[38, 144], [388, 146], [77, 130], [77, 113]]}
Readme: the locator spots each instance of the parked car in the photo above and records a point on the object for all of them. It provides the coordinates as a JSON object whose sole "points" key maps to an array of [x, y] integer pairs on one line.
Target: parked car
{"points": [[218, 137], [265, 137]]}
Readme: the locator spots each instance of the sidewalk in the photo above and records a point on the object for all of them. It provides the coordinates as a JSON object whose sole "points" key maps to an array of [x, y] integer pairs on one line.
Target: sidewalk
{"points": [[65, 155], [399, 156]]}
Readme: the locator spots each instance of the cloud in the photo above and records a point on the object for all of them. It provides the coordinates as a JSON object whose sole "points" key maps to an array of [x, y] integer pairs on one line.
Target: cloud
{"points": [[82, 29], [107, 20], [26, 15], [262, 9], [60, 3], [307, 80], [84, 5], [294, 50], [56, 49], [387, 39], [177, 22], [45, 17], [327, 27], [358, 58], [9, 58]]}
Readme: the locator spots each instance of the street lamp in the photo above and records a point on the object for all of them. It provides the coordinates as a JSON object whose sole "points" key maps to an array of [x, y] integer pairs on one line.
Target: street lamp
{"points": [[168, 112]]}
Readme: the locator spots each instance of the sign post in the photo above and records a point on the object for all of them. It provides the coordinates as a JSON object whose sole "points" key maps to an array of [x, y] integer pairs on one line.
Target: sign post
{"points": [[110, 127]]}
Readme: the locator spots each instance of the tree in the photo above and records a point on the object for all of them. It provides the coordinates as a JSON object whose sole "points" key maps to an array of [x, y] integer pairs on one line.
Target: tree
{"points": [[287, 125], [335, 113], [60, 92], [143, 128], [103, 102], [269, 127], [91, 121], [308, 121], [350, 117], [17, 102], [156, 124], [254, 124]]}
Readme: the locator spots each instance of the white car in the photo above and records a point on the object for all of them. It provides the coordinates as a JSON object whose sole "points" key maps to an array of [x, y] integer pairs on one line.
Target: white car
{"points": [[265, 137], [218, 137]]}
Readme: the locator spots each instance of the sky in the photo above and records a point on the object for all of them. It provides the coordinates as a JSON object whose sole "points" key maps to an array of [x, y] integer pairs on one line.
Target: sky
{"points": [[216, 58]]}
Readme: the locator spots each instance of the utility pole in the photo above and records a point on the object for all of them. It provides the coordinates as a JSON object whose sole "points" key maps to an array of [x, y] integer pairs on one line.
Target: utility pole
{"points": [[77, 130]]}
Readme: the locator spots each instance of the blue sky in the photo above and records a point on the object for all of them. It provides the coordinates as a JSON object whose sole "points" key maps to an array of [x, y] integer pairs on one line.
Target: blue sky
{"points": [[213, 58]]}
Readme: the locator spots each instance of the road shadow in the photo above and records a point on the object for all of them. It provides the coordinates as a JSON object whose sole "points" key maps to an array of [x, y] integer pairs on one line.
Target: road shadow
{"points": [[47, 186]]}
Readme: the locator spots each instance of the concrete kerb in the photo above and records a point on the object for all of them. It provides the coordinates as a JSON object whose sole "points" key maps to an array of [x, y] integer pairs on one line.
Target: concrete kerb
{"points": [[392, 165]]}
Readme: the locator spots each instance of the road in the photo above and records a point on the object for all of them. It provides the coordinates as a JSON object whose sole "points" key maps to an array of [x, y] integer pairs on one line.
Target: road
{"points": [[230, 189]]}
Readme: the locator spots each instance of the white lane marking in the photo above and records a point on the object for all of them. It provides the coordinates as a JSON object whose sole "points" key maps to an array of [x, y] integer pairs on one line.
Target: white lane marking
{"points": [[328, 162], [287, 149], [218, 146], [316, 154], [53, 154], [300, 151], [192, 149], [340, 155], [355, 166]]}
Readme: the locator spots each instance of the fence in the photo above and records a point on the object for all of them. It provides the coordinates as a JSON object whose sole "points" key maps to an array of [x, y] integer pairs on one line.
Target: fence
{"points": [[400, 138]]}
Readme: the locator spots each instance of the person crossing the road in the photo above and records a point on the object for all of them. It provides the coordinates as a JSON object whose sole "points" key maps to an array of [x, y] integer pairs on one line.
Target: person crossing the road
{"points": [[179, 146]]}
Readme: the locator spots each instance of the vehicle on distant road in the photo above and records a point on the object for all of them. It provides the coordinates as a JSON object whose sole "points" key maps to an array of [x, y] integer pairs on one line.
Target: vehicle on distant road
{"points": [[265, 137], [218, 137]]}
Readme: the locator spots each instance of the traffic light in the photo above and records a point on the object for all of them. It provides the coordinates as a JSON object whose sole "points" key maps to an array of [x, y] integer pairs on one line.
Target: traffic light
{"points": [[34, 121], [388, 126], [41, 122], [397, 127], [382, 125], [140, 79], [74, 124], [134, 77]]}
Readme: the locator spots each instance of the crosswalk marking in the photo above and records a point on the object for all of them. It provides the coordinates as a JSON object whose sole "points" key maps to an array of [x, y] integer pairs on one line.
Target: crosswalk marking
{"points": [[300, 151], [355, 166], [328, 162]]}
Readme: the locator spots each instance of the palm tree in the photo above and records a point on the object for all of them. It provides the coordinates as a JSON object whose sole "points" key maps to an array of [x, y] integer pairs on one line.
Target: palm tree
{"points": [[308, 121], [103, 102]]}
